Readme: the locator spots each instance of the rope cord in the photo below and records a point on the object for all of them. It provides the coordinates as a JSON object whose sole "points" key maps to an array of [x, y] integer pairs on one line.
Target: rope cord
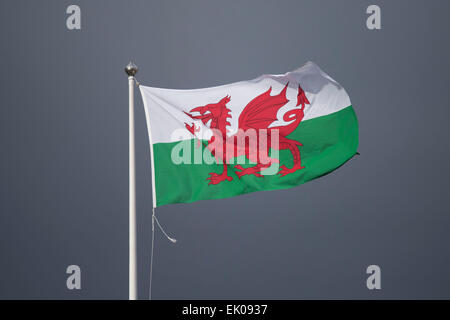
{"points": [[173, 240], [151, 255]]}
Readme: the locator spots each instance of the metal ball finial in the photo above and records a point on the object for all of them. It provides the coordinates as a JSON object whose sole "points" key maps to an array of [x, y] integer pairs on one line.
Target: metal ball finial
{"points": [[131, 69]]}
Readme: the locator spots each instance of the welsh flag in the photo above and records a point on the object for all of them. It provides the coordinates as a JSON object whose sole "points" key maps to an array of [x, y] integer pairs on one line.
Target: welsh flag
{"points": [[273, 132]]}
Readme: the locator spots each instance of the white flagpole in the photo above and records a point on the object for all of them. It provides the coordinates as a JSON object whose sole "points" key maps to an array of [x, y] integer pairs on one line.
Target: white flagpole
{"points": [[131, 70]]}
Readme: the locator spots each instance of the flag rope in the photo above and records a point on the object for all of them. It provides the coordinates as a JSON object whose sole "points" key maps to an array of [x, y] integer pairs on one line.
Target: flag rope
{"points": [[151, 255], [173, 240]]}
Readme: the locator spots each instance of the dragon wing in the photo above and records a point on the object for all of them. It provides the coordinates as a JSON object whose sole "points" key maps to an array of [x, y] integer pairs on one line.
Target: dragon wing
{"points": [[262, 110]]}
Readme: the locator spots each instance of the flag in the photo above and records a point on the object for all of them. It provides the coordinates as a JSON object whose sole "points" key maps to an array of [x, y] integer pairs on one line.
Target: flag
{"points": [[273, 132]]}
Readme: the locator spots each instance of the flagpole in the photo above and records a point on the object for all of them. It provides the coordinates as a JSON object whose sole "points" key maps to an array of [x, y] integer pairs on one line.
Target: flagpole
{"points": [[131, 70]]}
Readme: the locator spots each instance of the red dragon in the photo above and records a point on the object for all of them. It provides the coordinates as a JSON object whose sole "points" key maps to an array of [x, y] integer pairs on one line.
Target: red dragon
{"points": [[259, 114]]}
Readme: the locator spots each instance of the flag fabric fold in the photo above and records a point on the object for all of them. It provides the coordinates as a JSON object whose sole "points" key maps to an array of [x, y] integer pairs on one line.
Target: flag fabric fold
{"points": [[272, 132]]}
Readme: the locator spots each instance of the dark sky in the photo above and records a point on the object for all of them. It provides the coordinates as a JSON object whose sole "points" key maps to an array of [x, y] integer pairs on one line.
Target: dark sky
{"points": [[64, 159]]}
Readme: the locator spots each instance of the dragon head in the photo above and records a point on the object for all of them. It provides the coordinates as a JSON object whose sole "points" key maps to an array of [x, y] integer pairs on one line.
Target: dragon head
{"points": [[210, 111]]}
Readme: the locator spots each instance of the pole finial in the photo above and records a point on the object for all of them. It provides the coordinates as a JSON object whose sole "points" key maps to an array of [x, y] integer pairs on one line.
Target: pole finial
{"points": [[131, 69]]}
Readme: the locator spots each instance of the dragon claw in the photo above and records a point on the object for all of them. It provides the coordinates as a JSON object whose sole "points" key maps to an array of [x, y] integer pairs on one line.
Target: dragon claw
{"points": [[218, 178], [285, 170], [244, 171]]}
